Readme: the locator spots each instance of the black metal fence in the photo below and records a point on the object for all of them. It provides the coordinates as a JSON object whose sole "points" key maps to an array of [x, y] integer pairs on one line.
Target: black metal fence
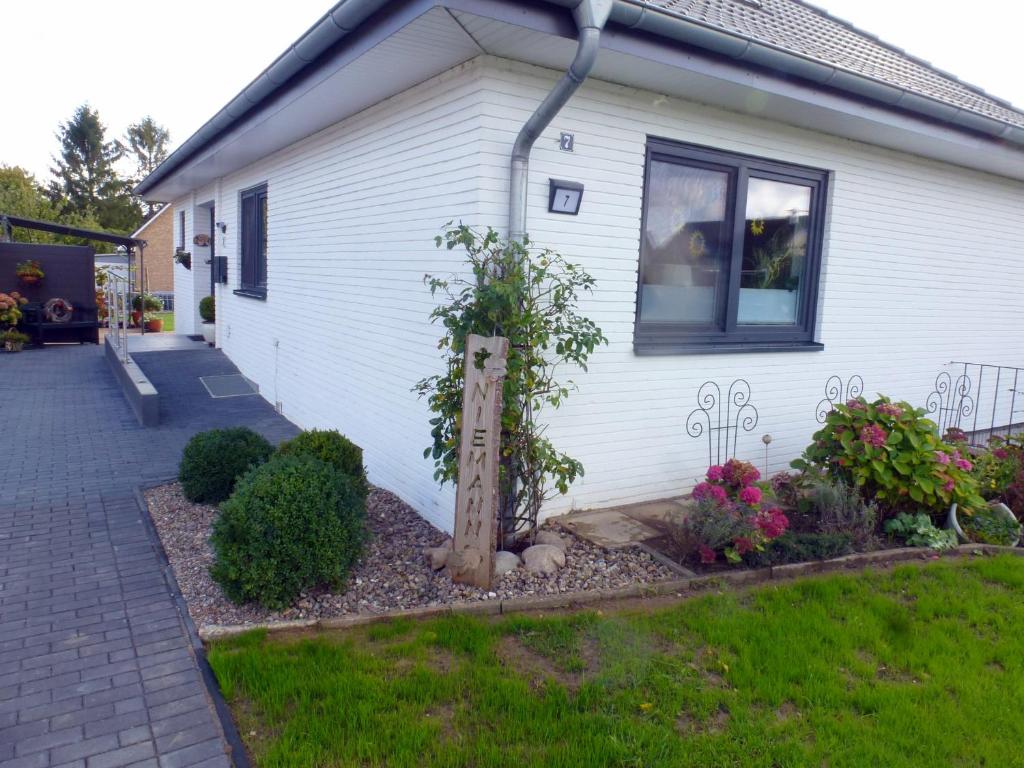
{"points": [[979, 399]]}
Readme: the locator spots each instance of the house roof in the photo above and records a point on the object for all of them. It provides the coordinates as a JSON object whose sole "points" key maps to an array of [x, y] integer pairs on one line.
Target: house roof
{"points": [[805, 30], [151, 219], [788, 38]]}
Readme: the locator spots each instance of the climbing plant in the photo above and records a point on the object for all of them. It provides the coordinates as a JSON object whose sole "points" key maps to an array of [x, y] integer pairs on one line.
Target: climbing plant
{"points": [[530, 296]]}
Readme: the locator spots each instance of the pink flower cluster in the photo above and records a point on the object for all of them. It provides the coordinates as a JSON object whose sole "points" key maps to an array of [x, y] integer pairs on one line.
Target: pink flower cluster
{"points": [[856, 405], [872, 434], [772, 522], [888, 409], [704, 491], [958, 461]]}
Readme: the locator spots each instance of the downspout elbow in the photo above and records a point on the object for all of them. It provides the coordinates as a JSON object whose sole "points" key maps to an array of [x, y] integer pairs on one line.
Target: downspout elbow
{"points": [[590, 16]]}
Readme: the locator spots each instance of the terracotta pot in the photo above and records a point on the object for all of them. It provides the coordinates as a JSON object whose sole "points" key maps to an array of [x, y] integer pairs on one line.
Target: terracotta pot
{"points": [[155, 325], [136, 318], [29, 279]]}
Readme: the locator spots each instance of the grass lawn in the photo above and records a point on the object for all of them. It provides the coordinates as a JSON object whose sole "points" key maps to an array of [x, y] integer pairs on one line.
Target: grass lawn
{"points": [[168, 318], [917, 666]]}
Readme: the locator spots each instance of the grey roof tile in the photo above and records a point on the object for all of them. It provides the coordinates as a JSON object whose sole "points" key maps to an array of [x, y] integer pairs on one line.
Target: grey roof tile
{"points": [[800, 28]]}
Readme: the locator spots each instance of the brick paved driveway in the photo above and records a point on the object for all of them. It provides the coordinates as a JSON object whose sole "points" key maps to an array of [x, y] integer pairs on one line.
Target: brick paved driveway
{"points": [[96, 667]]}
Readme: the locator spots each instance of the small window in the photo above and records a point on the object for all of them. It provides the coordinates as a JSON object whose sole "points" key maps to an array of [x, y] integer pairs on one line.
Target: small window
{"points": [[730, 252], [254, 241], [181, 230]]}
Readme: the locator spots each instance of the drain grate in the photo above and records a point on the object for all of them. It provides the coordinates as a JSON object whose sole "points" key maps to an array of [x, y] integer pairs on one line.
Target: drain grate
{"points": [[232, 385]]}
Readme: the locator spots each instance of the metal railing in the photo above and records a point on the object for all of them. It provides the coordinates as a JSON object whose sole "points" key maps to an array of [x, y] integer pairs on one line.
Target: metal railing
{"points": [[979, 399], [118, 314]]}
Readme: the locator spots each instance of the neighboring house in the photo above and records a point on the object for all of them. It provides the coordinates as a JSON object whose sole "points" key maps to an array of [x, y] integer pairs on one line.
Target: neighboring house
{"points": [[769, 194], [158, 256]]}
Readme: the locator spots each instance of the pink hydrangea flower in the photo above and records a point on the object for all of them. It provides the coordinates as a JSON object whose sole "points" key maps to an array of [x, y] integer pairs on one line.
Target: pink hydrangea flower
{"points": [[872, 434], [964, 464], [704, 491], [856, 405], [942, 457], [751, 495], [889, 409], [707, 554], [740, 474], [715, 473], [1001, 453], [743, 545], [949, 486], [773, 522]]}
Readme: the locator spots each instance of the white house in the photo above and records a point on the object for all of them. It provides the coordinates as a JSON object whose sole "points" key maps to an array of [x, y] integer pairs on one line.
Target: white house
{"points": [[768, 194]]}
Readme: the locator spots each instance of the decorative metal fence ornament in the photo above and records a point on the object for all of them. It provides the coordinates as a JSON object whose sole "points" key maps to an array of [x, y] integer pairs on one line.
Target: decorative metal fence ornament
{"points": [[767, 440], [835, 394], [950, 401], [721, 419]]}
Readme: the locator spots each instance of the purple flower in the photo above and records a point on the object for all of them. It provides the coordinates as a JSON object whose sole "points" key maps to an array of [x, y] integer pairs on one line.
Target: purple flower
{"points": [[856, 405], [964, 464], [707, 554], [715, 473], [1001, 453], [872, 434], [708, 491], [949, 486], [889, 409], [942, 457]]}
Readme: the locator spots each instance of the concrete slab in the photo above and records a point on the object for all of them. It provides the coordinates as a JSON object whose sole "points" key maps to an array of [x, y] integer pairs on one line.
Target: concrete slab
{"points": [[609, 528]]}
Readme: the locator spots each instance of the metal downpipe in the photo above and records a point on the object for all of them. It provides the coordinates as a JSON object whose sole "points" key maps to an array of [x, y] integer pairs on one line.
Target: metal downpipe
{"points": [[590, 17]]}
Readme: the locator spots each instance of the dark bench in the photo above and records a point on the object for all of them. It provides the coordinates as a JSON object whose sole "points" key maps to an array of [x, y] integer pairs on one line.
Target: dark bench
{"points": [[83, 327]]}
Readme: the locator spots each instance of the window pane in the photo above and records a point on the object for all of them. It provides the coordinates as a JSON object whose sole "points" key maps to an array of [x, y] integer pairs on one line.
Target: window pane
{"points": [[685, 245], [261, 262], [774, 252]]}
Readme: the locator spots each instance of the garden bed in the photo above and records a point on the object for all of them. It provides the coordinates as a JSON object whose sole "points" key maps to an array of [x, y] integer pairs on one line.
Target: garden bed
{"points": [[392, 575]]}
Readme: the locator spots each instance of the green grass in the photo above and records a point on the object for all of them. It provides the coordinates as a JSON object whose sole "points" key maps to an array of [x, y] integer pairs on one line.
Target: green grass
{"points": [[918, 666], [168, 318]]}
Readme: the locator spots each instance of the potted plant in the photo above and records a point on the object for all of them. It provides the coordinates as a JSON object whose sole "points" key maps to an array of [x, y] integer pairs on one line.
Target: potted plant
{"points": [[10, 307], [143, 304], [13, 341], [208, 312], [153, 323], [29, 272], [993, 524], [183, 257]]}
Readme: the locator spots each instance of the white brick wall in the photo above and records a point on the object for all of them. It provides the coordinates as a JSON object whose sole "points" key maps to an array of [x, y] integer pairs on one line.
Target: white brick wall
{"points": [[923, 265]]}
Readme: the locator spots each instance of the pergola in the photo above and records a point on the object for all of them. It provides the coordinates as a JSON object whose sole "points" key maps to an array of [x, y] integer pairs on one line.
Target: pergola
{"points": [[131, 244]]}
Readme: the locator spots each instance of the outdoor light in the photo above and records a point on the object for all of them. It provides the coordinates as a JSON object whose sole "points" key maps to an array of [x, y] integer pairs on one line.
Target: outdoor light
{"points": [[565, 197], [221, 226]]}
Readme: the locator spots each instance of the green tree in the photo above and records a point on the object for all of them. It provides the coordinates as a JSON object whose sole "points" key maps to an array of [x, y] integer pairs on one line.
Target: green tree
{"points": [[147, 142], [87, 183], [21, 195]]}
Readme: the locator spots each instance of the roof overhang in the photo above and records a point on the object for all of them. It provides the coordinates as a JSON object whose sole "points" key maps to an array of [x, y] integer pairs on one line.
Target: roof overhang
{"points": [[396, 46]]}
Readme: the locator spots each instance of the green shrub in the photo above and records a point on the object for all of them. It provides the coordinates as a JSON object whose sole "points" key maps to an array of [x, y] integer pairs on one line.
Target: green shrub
{"points": [[792, 547], [291, 524], [332, 447], [918, 530], [891, 453], [991, 526], [147, 302], [840, 509], [214, 460], [208, 309]]}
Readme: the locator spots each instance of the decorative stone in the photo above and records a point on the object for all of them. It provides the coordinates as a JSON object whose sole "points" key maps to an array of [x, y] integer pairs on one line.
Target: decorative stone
{"points": [[543, 559], [464, 561], [438, 556], [505, 562], [550, 537]]}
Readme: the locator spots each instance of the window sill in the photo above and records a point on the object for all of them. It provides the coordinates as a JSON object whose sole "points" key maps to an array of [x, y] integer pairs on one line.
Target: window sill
{"points": [[646, 348], [252, 293]]}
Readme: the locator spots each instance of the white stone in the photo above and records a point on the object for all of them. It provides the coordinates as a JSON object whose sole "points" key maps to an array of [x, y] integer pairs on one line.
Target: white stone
{"points": [[505, 562], [550, 537], [543, 559], [438, 556]]}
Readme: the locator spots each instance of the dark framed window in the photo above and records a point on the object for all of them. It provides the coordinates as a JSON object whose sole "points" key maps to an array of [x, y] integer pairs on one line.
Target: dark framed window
{"points": [[253, 240], [181, 230], [730, 252]]}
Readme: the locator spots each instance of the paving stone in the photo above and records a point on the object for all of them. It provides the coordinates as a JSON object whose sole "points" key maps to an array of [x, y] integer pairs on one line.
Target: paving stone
{"points": [[85, 614]]}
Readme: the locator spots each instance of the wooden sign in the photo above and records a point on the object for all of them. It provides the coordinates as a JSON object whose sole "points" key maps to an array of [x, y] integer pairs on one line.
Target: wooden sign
{"points": [[476, 499]]}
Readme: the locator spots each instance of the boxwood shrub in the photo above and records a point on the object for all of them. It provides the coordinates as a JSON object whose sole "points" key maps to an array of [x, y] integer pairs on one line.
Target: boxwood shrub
{"points": [[214, 460], [292, 524], [332, 447]]}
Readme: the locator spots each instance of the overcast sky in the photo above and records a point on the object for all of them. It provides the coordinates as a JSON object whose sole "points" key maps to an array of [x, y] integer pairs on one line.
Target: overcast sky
{"points": [[182, 61]]}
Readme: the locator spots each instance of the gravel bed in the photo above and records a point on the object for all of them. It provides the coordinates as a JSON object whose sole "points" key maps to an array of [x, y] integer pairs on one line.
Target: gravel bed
{"points": [[393, 574]]}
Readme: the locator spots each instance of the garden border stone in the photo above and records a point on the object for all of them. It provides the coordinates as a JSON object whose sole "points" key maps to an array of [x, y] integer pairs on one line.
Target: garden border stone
{"points": [[655, 589]]}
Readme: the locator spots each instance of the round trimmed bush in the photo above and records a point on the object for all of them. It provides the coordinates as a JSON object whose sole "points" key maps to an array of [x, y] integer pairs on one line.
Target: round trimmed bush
{"points": [[214, 460], [291, 524], [332, 447]]}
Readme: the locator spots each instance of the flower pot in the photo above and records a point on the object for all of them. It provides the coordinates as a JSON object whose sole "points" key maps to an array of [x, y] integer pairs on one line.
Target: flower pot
{"points": [[953, 524], [30, 279], [14, 346], [210, 333], [136, 318], [155, 326]]}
